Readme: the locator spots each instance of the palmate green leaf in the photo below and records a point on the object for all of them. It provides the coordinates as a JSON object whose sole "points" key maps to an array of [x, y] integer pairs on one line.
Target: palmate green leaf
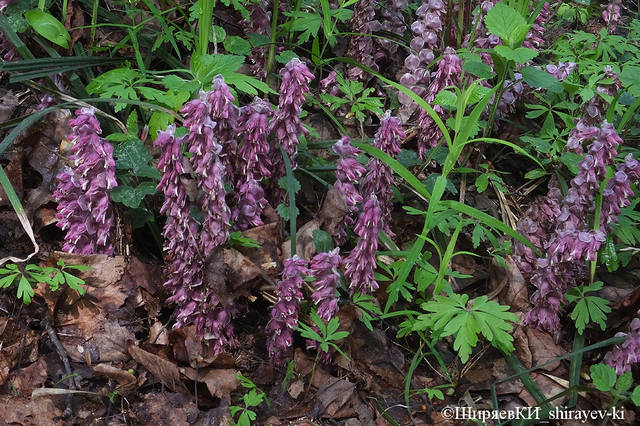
{"points": [[6, 281], [25, 290]]}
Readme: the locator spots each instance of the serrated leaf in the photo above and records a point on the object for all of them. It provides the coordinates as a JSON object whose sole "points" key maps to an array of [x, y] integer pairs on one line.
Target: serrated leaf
{"points": [[132, 197], [635, 396], [520, 55], [48, 27], [133, 155], [603, 376], [538, 78], [236, 45], [505, 22], [479, 69], [625, 381]]}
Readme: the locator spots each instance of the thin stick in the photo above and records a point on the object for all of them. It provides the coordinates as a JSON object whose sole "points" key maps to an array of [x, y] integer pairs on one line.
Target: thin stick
{"points": [[65, 362]]}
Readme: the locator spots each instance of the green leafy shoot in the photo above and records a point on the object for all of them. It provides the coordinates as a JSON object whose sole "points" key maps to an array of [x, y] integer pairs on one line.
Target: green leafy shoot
{"points": [[588, 308], [236, 239], [326, 334], [452, 315], [30, 275], [253, 398], [368, 308]]}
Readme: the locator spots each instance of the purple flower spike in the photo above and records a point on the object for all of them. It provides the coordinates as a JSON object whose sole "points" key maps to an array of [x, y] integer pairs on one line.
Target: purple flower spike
{"points": [[286, 126], [534, 39], [623, 356], [361, 46], [284, 314], [348, 173], [361, 262], [251, 202], [379, 179], [259, 22], [324, 268], [616, 194], [254, 152], [84, 207], [180, 231], [207, 165], [448, 74], [611, 15]]}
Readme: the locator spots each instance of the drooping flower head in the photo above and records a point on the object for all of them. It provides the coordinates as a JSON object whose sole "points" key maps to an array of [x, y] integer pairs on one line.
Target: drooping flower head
{"points": [[360, 265], [284, 314], [84, 206], [448, 74], [348, 174], [324, 268], [379, 178], [626, 354]]}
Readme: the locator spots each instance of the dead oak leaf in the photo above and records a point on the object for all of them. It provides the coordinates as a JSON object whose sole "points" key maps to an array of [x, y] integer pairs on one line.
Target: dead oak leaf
{"points": [[220, 381], [164, 370]]}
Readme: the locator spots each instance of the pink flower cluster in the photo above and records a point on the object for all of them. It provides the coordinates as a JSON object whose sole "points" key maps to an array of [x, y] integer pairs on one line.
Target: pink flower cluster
{"points": [[348, 174], [286, 126], [84, 206], [360, 265], [534, 39], [284, 314], [259, 22], [611, 15], [426, 31], [623, 356], [324, 267], [379, 177], [448, 74], [361, 46], [572, 241]]}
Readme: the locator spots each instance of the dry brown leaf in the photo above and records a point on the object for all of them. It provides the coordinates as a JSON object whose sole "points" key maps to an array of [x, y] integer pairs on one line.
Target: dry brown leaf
{"points": [[331, 397], [509, 285], [165, 409], [240, 269], [126, 381], [27, 411], [27, 379], [164, 370], [543, 348], [220, 382]]}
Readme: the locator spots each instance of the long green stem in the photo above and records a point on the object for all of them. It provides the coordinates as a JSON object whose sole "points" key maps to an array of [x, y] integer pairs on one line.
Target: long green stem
{"points": [[492, 115], [274, 27], [575, 368]]}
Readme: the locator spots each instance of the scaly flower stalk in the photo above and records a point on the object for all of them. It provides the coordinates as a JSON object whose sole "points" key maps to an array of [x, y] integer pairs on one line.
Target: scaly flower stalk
{"points": [[623, 356], [284, 314], [252, 165], [225, 116], [593, 112], [324, 268], [426, 39], [379, 178], [348, 174], [210, 171], [534, 39], [616, 195], [361, 263], [84, 207], [448, 74], [611, 15], [259, 22], [573, 242], [391, 21], [361, 46], [286, 126]]}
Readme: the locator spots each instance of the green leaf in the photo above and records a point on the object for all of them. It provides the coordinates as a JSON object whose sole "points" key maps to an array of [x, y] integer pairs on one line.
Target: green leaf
{"points": [[159, 121], [25, 290], [520, 55], [322, 241], [6, 281], [505, 22], [571, 160], [537, 78], [479, 69], [630, 79], [48, 27], [132, 197], [482, 182], [624, 382], [133, 155], [236, 45], [609, 255], [635, 396], [74, 282], [603, 376]]}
